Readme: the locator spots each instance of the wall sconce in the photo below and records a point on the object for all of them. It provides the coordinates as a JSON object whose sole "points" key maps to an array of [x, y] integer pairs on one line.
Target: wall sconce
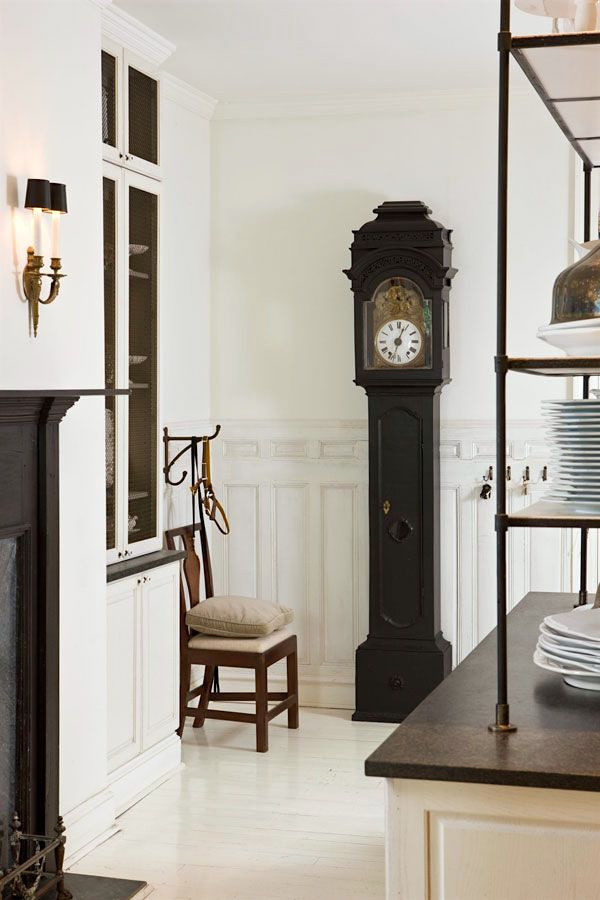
{"points": [[42, 197]]}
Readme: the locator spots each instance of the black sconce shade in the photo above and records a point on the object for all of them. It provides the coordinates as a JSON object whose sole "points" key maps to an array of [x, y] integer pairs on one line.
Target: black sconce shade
{"points": [[58, 197], [38, 194]]}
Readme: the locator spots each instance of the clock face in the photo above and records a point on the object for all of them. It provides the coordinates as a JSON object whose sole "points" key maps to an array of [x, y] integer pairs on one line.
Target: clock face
{"points": [[398, 342]]}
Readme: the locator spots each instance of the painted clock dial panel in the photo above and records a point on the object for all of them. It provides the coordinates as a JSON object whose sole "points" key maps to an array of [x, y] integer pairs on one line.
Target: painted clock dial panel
{"points": [[397, 326], [399, 342]]}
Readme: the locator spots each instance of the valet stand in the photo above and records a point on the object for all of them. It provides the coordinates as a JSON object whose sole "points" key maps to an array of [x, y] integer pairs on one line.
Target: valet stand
{"points": [[536, 56]]}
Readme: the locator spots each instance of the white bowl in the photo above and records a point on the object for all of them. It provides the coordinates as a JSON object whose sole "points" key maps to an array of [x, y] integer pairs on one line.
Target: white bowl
{"points": [[580, 338]]}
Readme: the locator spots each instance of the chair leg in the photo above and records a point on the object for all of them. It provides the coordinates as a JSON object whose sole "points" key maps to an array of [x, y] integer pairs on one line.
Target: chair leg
{"points": [[292, 688], [262, 704], [185, 674], [199, 718]]}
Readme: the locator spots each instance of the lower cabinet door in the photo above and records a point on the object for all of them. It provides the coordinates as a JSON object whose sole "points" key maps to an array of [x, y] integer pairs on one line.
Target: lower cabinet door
{"points": [[123, 688], [160, 654]]}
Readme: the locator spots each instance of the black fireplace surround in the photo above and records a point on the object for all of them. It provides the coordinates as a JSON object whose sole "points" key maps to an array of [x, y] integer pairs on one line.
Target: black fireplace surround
{"points": [[29, 606], [29, 616]]}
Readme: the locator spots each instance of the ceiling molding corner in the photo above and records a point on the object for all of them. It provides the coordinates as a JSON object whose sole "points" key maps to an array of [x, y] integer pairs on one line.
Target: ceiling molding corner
{"points": [[188, 96], [119, 26], [299, 107]]}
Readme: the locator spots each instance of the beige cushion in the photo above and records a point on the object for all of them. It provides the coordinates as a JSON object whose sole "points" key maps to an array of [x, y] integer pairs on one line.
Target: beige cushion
{"points": [[238, 617], [242, 645]]}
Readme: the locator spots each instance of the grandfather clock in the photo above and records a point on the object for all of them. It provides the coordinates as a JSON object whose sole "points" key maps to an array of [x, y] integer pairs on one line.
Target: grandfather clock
{"points": [[401, 273]]}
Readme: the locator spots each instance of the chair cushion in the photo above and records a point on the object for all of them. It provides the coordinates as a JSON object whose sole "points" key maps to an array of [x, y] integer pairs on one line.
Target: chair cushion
{"points": [[241, 645], [244, 617]]}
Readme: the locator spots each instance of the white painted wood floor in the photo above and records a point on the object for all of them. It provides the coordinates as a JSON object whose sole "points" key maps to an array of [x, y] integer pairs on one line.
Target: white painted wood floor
{"points": [[301, 822]]}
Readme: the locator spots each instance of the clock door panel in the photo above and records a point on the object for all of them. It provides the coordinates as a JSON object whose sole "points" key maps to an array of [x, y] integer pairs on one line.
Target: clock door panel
{"points": [[399, 519]]}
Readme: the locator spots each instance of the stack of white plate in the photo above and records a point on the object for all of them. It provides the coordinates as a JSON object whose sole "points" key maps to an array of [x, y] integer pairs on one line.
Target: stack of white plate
{"points": [[574, 437], [569, 644]]}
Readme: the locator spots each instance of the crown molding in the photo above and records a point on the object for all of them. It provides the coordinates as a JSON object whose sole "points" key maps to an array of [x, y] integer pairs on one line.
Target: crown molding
{"points": [[119, 26], [187, 96], [299, 107]]}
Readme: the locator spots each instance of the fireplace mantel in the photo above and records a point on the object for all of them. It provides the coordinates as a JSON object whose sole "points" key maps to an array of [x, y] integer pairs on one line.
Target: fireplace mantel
{"points": [[43, 406]]}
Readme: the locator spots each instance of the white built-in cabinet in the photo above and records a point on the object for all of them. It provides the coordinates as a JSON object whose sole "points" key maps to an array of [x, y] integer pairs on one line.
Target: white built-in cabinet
{"points": [[142, 666], [142, 608], [131, 217]]}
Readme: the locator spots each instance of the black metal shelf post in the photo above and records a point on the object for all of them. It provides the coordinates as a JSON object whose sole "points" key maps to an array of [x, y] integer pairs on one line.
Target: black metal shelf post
{"points": [[507, 46], [502, 720], [583, 555]]}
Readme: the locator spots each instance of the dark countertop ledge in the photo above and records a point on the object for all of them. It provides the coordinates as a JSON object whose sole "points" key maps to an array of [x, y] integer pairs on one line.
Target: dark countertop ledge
{"points": [[138, 564], [557, 744]]}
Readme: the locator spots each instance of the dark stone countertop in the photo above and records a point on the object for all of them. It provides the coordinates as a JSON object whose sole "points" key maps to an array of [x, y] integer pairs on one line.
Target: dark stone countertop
{"points": [[139, 564], [557, 744]]}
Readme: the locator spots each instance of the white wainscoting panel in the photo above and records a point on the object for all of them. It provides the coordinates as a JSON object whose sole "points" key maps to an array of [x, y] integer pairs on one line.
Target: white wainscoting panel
{"points": [[291, 557], [240, 569], [296, 494], [339, 568]]}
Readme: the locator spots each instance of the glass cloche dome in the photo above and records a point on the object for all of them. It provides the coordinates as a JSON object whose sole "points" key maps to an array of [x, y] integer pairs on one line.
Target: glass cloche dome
{"points": [[576, 293]]}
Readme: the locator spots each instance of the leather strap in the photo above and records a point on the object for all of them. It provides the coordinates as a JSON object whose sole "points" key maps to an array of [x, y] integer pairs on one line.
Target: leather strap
{"points": [[212, 506]]}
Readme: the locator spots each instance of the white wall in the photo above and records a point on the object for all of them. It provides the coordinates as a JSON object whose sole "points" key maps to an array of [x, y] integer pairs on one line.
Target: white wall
{"points": [[185, 319], [50, 129], [288, 191]]}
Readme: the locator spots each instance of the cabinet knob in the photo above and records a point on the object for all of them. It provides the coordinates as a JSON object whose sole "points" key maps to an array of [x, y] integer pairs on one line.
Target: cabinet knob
{"points": [[386, 507]]}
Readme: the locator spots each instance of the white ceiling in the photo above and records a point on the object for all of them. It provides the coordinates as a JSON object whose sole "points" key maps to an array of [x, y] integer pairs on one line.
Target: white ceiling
{"points": [[272, 49]]}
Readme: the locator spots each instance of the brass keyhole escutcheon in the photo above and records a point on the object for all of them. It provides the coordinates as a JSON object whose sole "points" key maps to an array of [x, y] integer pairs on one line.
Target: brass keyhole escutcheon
{"points": [[386, 507]]}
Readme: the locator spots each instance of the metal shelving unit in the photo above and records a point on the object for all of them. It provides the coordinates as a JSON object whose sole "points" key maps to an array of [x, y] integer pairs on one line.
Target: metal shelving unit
{"points": [[564, 69]]}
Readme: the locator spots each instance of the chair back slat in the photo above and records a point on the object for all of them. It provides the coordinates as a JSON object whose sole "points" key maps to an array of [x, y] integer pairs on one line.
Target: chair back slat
{"points": [[192, 569]]}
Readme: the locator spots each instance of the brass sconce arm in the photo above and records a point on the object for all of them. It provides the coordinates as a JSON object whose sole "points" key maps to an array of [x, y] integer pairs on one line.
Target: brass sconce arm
{"points": [[32, 283]]}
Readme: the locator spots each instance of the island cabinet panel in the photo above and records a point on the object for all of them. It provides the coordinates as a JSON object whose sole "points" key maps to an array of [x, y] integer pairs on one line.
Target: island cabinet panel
{"points": [[453, 841]]}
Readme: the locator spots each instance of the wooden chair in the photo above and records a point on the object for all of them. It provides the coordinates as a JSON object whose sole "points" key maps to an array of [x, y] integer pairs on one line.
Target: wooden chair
{"points": [[239, 653]]}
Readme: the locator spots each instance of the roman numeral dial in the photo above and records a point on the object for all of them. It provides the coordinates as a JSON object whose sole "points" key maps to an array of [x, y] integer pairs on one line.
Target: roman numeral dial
{"points": [[398, 342]]}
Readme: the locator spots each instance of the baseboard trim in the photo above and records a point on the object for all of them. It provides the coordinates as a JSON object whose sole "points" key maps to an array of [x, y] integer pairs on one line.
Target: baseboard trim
{"points": [[137, 778], [89, 824]]}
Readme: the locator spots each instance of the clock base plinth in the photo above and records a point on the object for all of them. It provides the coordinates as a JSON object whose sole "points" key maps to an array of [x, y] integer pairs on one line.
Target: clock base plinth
{"points": [[394, 675]]}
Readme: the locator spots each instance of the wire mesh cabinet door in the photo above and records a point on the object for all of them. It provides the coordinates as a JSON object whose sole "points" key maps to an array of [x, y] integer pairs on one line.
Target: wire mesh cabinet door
{"points": [[143, 513], [131, 93], [112, 102], [141, 119], [115, 356]]}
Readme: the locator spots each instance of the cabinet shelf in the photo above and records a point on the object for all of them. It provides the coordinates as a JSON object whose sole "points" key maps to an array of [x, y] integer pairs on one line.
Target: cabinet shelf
{"points": [[137, 495], [564, 70], [549, 514], [564, 366]]}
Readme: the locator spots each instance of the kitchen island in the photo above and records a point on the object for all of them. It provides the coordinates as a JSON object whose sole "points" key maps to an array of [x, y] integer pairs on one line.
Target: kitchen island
{"points": [[473, 815]]}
